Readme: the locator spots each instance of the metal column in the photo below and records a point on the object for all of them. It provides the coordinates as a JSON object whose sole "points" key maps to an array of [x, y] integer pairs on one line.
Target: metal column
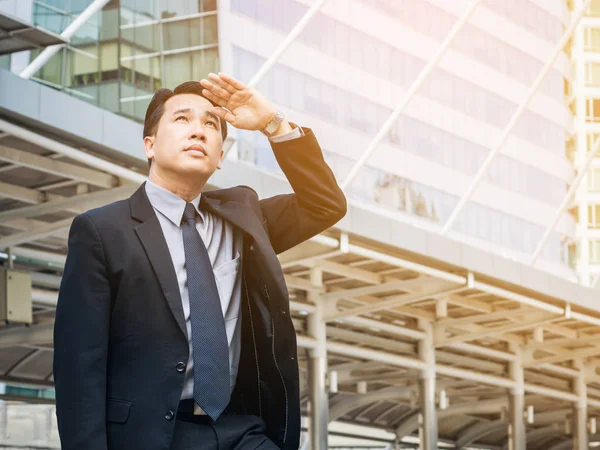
{"points": [[317, 368], [580, 432], [428, 426], [516, 404]]}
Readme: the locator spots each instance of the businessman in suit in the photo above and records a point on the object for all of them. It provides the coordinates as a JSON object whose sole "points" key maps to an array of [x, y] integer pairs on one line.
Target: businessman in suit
{"points": [[172, 327]]}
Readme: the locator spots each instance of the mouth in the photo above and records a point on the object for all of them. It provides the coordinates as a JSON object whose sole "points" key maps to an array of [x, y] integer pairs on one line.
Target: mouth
{"points": [[197, 149]]}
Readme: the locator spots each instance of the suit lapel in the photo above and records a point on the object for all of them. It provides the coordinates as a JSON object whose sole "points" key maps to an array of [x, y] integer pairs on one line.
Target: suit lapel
{"points": [[237, 213], [151, 236], [243, 217]]}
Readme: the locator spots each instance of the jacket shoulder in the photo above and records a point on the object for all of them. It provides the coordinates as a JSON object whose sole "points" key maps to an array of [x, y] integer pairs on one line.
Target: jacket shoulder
{"points": [[109, 215], [241, 193]]}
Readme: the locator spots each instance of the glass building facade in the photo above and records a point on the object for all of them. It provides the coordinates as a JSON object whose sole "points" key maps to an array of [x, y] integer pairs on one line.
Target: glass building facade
{"points": [[355, 110], [132, 48]]}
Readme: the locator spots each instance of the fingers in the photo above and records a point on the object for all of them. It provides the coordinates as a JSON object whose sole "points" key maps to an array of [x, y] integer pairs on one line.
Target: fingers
{"points": [[215, 89], [232, 81], [217, 80], [215, 98], [223, 114]]}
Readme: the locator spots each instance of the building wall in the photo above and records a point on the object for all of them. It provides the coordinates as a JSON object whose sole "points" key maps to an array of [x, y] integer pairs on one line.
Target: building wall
{"points": [[586, 105], [344, 75], [132, 48], [355, 60]]}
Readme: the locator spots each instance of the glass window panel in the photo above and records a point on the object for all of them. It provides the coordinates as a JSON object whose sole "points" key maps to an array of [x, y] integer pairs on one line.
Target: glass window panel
{"points": [[281, 85], [5, 62], [175, 8], [207, 5], [176, 34], [109, 28], [178, 68], [264, 11], [49, 18], [342, 38], [210, 34], [204, 62]]}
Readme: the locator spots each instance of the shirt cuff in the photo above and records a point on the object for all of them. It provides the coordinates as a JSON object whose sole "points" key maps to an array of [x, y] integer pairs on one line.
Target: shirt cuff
{"points": [[296, 133]]}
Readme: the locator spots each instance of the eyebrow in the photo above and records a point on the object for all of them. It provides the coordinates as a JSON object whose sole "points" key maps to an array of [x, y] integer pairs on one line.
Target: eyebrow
{"points": [[206, 113]]}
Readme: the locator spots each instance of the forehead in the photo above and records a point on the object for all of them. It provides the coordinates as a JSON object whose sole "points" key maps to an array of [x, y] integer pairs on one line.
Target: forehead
{"points": [[194, 102]]}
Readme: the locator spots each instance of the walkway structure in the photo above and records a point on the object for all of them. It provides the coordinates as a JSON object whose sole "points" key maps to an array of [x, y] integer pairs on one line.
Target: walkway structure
{"points": [[399, 328]]}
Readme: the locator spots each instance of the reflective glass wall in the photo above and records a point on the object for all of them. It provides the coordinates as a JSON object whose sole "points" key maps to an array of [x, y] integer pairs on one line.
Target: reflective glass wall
{"points": [[357, 111], [132, 48]]}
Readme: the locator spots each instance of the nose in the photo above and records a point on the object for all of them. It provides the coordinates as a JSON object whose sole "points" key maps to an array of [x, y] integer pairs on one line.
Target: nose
{"points": [[197, 132]]}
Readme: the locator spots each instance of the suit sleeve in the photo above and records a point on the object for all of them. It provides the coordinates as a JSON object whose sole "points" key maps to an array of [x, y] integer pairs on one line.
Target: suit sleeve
{"points": [[317, 202], [81, 341]]}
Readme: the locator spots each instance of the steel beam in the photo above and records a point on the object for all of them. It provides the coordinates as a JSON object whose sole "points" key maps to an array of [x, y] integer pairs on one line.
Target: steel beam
{"points": [[408, 96], [486, 332], [47, 54], [35, 233], [400, 300], [478, 431], [515, 118], [76, 203], [286, 43], [70, 152], [55, 167]]}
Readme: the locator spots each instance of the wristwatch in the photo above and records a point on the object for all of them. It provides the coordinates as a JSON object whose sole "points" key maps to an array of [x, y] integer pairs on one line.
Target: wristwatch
{"points": [[273, 124]]}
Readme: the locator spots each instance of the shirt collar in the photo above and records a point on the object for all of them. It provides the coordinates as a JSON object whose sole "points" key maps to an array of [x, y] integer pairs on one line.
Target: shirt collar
{"points": [[169, 204]]}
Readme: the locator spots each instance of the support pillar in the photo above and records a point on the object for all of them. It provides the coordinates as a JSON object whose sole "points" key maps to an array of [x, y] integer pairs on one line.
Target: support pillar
{"points": [[317, 368], [580, 416], [428, 426], [516, 404]]}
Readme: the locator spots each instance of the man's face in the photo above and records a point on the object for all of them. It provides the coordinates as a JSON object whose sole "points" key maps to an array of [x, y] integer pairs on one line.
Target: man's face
{"points": [[188, 139]]}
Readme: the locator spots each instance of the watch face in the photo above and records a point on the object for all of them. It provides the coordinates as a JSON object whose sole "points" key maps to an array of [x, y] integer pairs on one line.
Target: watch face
{"points": [[273, 124]]}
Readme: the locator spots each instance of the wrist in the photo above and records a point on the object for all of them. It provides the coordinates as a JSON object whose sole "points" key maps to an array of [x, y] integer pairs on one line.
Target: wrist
{"points": [[283, 128], [275, 125]]}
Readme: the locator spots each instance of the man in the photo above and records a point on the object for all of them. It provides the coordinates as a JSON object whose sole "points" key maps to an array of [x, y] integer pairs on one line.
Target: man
{"points": [[172, 326]]}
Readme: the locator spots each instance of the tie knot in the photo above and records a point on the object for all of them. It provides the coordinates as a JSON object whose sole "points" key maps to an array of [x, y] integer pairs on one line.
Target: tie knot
{"points": [[189, 213]]}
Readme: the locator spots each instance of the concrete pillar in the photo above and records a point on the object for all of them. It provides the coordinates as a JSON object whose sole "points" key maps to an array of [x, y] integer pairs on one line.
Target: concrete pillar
{"points": [[3, 420], [428, 426], [580, 417], [317, 369], [516, 404]]}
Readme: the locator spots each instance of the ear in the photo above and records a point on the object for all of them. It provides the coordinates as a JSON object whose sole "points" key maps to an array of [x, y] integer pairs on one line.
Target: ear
{"points": [[149, 146], [220, 159]]}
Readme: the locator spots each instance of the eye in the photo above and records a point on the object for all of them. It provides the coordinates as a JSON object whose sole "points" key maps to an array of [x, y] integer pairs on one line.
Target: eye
{"points": [[211, 122], [181, 117]]}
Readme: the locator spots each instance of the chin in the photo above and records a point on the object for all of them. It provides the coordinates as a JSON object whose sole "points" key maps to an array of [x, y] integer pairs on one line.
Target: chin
{"points": [[201, 169]]}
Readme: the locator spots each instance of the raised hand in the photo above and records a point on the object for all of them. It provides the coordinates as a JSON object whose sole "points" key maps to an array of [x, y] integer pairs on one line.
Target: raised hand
{"points": [[240, 105]]}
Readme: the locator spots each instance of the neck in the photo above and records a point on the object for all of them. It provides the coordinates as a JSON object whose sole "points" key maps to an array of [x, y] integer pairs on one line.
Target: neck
{"points": [[179, 185]]}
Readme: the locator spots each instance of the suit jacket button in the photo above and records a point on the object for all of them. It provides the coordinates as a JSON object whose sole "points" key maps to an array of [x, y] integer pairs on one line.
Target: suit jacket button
{"points": [[180, 367], [169, 415]]}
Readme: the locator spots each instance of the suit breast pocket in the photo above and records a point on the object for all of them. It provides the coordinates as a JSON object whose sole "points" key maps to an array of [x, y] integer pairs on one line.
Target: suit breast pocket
{"points": [[228, 269], [229, 286]]}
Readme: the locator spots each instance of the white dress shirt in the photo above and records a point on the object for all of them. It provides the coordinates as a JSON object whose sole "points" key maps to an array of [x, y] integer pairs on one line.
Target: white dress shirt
{"points": [[224, 243]]}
